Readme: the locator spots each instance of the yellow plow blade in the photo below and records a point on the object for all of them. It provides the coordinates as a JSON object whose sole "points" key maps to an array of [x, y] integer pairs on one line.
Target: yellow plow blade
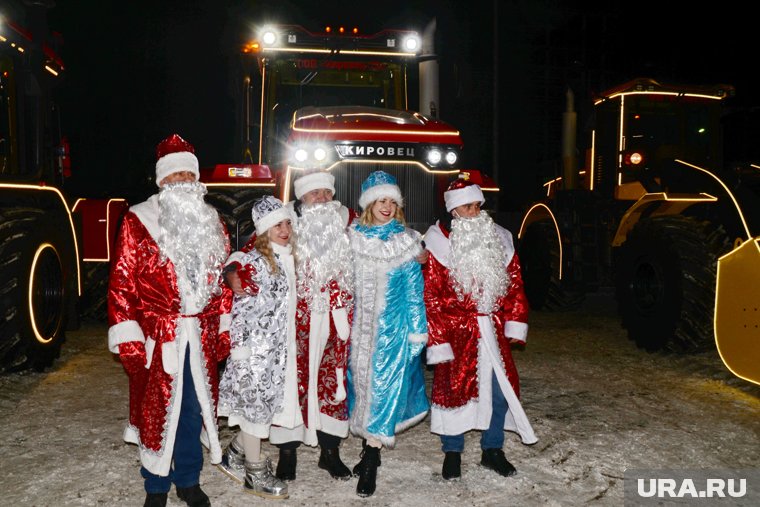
{"points": [[737, 310]]}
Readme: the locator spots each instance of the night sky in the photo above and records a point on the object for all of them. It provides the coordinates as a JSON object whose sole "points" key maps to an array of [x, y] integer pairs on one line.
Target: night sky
{"points": [[138, 71]]}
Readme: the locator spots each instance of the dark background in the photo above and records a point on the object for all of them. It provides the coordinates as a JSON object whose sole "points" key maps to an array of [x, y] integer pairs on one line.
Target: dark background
{"points": [[138, 71]]}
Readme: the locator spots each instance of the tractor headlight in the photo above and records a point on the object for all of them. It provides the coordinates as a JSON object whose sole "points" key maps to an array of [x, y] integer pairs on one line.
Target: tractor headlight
{"points": [[269, 37], [434, 157], [451, 157], [412, 44], [301, 155], [310, 154], [634, 159]]}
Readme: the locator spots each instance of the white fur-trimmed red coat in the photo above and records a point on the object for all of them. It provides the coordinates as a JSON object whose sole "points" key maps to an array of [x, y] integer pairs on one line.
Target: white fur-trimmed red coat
{"points": [[152, 329]]}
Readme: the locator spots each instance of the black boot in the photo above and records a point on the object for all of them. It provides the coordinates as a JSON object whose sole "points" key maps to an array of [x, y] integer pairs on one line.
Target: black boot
{"points": [[194, 496], [329, 459], [368, 471], [286, 465], [356, 467], [155, 500], [452, 466], [496, 461]]}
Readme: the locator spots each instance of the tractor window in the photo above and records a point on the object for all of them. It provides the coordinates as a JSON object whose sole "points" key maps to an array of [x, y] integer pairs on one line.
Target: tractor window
{"points": [[698, 129], [666, 127], [299, 82], [649, 125], [316, 82]]}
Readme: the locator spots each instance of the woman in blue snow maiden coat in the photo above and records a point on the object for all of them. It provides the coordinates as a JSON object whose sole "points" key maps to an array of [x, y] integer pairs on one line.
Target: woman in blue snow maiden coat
{"points": [[389, 332]]}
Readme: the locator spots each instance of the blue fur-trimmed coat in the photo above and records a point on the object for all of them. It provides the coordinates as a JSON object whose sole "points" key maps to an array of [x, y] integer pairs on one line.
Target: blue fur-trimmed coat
{"points": [[389, 332]]}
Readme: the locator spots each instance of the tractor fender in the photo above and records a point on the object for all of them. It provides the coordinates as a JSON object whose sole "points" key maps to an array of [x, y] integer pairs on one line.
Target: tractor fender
{"points": [[656, 204], [737, 310], [539, 212], [100, 220]]}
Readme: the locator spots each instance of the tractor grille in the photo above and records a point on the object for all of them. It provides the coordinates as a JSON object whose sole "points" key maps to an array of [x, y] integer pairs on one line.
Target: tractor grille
{"points": [[418, 187]]}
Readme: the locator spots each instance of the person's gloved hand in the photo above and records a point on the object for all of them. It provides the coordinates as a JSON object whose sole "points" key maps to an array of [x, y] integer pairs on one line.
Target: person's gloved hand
{"points": [[132, 357]]}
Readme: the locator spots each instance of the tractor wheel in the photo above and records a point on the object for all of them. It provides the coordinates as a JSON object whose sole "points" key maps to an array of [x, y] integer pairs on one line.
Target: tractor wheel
{"points": [[665, 282], [234, 206], [540, 262], [95, 290], [32, 290]]}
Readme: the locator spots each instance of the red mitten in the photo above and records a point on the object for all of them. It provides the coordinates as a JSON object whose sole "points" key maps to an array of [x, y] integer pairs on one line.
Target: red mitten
{"points": [[132, 356], [223, 346], [247, 274]]}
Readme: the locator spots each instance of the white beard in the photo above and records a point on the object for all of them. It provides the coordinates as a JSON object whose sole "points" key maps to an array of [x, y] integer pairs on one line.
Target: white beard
{"points": [[478, 261], [323, 253], [191, 235]]}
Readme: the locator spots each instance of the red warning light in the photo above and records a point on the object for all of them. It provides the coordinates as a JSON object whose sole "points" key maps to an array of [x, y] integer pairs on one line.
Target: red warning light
{"points": [[341, 29], [328, 29], [355, 30]]}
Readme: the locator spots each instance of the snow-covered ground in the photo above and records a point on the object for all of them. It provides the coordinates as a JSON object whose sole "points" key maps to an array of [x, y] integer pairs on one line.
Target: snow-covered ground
{"points": [[597, 404]]}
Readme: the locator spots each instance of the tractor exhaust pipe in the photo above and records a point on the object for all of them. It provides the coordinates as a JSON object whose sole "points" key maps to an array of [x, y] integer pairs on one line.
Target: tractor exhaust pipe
{"points": [[569, 159], [429, 73]]}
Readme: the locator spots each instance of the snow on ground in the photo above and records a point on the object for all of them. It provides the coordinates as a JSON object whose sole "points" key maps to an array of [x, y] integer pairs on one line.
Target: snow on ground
{"points": [[597, 404]]}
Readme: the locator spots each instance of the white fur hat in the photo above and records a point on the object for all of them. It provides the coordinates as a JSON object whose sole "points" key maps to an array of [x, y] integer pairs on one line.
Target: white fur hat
{"points": [[268, 211], [380, 184], [174, 154], [313, 181], [461, 192]]}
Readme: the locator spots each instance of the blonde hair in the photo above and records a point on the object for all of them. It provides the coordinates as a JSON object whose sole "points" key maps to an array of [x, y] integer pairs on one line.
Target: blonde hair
{"points": [[365, 218], [263, 245]]}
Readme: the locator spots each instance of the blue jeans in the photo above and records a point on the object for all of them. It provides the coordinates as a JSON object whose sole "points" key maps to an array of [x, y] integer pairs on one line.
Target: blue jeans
{"points": [[188, 453], [493, 437]]}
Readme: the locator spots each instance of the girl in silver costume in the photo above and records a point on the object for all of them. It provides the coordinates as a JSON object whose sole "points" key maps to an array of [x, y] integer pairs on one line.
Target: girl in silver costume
{"points": [[259, 386]]}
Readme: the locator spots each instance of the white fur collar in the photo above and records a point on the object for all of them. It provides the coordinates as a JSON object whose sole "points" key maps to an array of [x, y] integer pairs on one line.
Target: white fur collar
{"points": [[438, 244], [285, 250], [147, 212], [396, 250]]}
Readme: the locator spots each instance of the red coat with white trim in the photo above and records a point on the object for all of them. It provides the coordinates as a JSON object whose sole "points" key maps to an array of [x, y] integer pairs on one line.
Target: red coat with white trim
{"points": [[465, 345], [151, 333]]}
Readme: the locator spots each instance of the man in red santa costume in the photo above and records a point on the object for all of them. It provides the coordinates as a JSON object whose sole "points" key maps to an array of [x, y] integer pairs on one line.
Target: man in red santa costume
{"points": [[169, 322], [324, 274], [476, 309]]}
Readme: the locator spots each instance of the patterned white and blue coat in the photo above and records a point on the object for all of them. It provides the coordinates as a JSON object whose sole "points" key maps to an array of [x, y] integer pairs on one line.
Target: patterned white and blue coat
{"points": [[389, 332]]}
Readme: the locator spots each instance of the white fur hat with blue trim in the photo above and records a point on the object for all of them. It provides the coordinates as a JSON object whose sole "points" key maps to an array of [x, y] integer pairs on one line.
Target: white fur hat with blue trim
{"points": [[380, 184], [268, 211]]}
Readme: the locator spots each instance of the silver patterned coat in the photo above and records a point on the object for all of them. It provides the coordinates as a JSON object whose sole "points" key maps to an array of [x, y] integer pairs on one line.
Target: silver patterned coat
{"points": [[259, 386]]}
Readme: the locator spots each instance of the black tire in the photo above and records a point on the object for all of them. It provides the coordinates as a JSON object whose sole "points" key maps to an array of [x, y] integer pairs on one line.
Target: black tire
{"points": [[665, 283], [540, 260], [35, 294], [94, 305], [234, 205]]}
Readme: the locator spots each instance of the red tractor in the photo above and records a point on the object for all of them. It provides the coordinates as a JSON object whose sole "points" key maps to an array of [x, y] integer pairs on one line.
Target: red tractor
{"points": [[49, 240], [338, 100]]}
